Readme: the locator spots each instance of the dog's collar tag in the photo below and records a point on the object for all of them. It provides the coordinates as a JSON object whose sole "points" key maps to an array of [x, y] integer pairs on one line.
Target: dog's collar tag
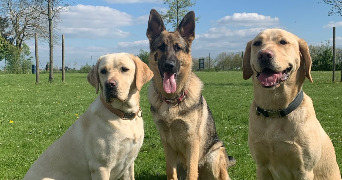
{"points": [[179, 99], [282, 112], [130, 116], [121, 114]]}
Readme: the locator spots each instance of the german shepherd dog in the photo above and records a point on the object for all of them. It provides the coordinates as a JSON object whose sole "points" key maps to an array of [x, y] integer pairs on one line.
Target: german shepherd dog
{"points": [[180, 112]]}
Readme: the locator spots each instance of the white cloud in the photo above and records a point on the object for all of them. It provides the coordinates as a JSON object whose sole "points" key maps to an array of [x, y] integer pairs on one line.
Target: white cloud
{"points": [[223, 32], [333, 24], [248, 20], [222, 39], [142, 19], [161, 10], [133, 1], [338, 41], [84, 21], [142, 43]]}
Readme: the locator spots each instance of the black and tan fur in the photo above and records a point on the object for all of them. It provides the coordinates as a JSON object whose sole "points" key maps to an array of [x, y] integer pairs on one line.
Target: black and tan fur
{"points": [[187, 130]]}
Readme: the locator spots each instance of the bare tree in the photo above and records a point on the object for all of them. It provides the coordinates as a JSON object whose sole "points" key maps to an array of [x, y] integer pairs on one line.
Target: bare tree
{"points": [[25, 18], [229, 61], [177, 10], [28, 17], [51, 9], [336, 7]]}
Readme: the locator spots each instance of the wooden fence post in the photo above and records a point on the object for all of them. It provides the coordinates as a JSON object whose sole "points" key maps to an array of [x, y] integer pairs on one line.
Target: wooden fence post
{"points": [[37, 57], [63, 66], [334, 55]]}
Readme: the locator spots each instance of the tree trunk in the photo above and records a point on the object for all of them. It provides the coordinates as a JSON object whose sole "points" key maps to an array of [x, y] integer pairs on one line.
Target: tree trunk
{"points": [[177, 22], [37, 58], [50, 41], [63, 69]]}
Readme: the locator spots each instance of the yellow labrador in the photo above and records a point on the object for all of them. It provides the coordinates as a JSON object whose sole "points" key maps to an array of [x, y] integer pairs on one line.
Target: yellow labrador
{"points": [[285, 138], [104, 142]]}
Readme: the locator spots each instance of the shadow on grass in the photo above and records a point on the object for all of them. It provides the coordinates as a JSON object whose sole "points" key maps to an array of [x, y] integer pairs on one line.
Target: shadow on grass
{"points": [[228, 84], [150, 177]]}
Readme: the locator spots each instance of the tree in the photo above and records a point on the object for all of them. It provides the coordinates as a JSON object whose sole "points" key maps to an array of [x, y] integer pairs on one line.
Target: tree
{"points": [[19, 63], [7, 50], [336, 7], [51, 9], [321, 57], [195, 64], [25, 60], [230, 61], [4, 26], [222, 61], [27, 17], [143, 55], [86, 68], [177, 10]]}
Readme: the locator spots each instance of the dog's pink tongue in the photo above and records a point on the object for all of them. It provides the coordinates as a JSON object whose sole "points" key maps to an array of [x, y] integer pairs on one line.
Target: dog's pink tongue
{"points": [[169, 82], [269, 79]]}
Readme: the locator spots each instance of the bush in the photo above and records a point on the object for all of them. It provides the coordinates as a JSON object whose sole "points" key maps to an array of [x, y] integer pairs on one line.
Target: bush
{"points": [[85, 69], [322, 56]]}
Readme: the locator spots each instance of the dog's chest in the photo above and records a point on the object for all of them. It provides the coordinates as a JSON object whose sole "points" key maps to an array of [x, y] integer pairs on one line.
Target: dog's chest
{"points": [[175, 132], [127, 131], [275, 144], [121, 145]]}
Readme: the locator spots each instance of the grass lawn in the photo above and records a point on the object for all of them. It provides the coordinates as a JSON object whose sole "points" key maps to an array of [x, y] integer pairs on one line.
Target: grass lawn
{"points": [[33, 116]]}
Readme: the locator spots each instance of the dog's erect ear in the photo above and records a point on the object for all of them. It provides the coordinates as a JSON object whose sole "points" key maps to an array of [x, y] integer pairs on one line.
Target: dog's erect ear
{"points": [[187, 26], [93, 77], [247, 68], [155, 26], [304, 50], [143, 74]]}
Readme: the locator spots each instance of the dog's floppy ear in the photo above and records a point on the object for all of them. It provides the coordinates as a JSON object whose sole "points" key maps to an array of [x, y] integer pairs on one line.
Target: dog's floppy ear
{"points": [[304, 50], [247, 69], [155, 25], [143, 74], [93, 77], [187, 26]]}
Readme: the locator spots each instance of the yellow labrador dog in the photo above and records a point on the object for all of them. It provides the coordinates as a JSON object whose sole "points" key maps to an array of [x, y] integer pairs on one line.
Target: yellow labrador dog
{"points": [[285, 138], [104, 142]]}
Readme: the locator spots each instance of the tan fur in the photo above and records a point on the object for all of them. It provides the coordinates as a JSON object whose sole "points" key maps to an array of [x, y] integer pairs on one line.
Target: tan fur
{"points": [[183, 126], [295, 146], [100, 145]]}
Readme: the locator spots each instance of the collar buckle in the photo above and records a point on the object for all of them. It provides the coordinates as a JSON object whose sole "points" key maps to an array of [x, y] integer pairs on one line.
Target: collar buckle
{"points": [[131, 116], [128, 116], [274, 114], [120, 113], [178, 100]]}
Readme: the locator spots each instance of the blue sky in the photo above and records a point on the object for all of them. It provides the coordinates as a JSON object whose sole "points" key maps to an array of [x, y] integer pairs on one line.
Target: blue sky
{"points": [[96, 27]]}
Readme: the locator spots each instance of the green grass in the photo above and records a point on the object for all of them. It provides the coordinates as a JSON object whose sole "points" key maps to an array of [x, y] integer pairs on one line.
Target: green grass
{"points": [[33, 116]]}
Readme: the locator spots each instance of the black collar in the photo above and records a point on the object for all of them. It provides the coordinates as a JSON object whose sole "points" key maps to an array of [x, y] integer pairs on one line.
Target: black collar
{"points": [[282, 112]]}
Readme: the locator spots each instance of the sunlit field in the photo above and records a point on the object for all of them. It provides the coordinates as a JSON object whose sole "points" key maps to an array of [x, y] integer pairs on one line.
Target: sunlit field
{"points": [[33, 116]]}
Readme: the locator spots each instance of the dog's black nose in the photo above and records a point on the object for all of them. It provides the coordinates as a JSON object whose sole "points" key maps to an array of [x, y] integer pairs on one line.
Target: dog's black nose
{"points": [[169, 65], [265, 55], [111, 83]]}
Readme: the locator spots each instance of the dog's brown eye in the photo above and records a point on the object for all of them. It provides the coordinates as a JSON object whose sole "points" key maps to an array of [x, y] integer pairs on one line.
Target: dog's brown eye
{"points": [[103, 71], [177, 48], [283, 42], [257, 43], [162, 47], [124, 69]]}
